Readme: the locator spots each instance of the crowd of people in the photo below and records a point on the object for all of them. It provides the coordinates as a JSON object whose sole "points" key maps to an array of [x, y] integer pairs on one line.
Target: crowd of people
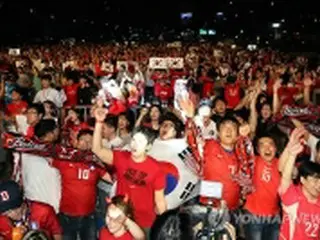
{"points": [[99, 143]]}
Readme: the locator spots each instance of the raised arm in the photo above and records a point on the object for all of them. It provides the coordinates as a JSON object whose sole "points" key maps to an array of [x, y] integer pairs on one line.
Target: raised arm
{"points": [[276, 101], [253, 119], [307, 82], [293, 148], [106, 155]]}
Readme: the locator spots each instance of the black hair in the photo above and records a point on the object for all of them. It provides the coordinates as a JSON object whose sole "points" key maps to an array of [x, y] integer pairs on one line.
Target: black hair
{"points": [[147, 118], [214, 102], [309, 169], [38, 107], [18, 90], [44, 127], [265, 135], [129, 115], [53, 108], [178, 124], [227, 119], [150, 134], [47, 77], [172, 225], [84, 132], [111, 121]]}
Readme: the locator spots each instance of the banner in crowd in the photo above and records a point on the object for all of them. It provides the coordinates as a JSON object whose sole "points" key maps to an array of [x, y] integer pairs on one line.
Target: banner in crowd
{"points": [[165, 63], [14, 51], [181, 92], [180, 168], [309, 116]]}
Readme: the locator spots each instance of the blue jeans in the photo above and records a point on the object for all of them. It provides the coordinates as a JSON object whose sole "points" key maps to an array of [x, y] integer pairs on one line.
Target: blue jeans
{"points": [[84, 227], [262, 228]]}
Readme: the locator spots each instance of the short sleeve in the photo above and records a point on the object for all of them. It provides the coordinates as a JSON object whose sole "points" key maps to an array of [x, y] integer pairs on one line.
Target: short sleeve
{"points": [[291, 195], [53, 224], [159, 181], [102, 172]]}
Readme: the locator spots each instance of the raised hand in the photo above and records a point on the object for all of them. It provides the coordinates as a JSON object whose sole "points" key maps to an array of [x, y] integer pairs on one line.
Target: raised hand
{"points": [[100, 114], [296, 141], [187, 107]]}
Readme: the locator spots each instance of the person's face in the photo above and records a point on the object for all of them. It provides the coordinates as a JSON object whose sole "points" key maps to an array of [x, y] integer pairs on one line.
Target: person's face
{"points": [[167, 130], [266, 111], [15, 214], [138, 144], [15, 96], [154, 114], [73, 115], [123, 122], [107, 131], [114, 219], [83, 81], [47, 108], [85, 142], [32, 116], [220, 107], [53, 136], [228, 133], [45, 83], [70, 82], [267, 149], [311, 185]]}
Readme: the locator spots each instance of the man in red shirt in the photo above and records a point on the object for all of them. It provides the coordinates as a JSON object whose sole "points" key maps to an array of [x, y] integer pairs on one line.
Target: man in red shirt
{"points": [[221, 163], [138, 175], [264, 218], [300, 203], [71, 90], [35, 113], [25, 215], [17, 105], [79, 192]]}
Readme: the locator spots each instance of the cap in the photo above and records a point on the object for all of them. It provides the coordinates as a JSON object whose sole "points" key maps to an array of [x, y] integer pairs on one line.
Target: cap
{"points": [[10, 196]]}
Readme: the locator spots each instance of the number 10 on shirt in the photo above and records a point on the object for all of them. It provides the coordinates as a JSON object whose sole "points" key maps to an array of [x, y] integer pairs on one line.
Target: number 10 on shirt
{"points": [[83, 174]]}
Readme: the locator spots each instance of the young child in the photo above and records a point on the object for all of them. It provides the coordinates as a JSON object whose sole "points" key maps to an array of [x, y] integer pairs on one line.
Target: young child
{"points": [[119, 223]]}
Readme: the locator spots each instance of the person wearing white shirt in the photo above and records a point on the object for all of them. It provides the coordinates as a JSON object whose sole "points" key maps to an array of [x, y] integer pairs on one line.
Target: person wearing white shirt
{"points": [[207, 127], [49, 94]]}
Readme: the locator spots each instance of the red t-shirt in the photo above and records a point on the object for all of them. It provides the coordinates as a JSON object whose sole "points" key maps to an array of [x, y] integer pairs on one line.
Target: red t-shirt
{"points": [[220, 166], [208, 86], [41, 214], [232, 95], [139, 181], [164, 92], [30, 132], [79, 188], [117, 107], [299, 216], [106, 235], [266, 181], [286, 95], [16, 108], [72, 95]]}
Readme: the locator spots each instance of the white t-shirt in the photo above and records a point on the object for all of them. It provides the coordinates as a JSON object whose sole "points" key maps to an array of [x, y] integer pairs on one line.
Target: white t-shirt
{"points": [[41, 182], [208, 132], [312, 142], [50, 94], [116, 143]]}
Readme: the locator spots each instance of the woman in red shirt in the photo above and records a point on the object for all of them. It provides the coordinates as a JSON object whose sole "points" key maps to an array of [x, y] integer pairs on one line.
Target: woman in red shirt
{"points": [[72, 126], [119, 223]]}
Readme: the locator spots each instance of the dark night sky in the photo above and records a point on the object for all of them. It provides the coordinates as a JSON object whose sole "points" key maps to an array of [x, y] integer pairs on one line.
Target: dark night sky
{"points": [[20, 20]]}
